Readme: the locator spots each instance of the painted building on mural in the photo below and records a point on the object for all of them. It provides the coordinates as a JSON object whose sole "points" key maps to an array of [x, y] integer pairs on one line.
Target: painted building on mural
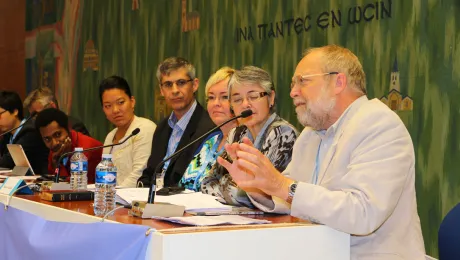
{"points": [[190, 20], [395, 100], [91, 57]]}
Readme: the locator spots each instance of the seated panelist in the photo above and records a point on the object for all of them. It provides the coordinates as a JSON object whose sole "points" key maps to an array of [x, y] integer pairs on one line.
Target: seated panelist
{"points": [[11, 116], [353, 165], [251, 88], [131, 157], [218, 108], [53, 125], [187, 121]]}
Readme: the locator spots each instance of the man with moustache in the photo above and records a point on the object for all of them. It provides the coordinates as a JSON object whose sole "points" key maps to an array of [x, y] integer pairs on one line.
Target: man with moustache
{"points": [[188, 121], [352, 168]]}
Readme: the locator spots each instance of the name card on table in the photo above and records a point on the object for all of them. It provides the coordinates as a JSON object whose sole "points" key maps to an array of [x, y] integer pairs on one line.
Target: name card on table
{"points": [[11, 184]]}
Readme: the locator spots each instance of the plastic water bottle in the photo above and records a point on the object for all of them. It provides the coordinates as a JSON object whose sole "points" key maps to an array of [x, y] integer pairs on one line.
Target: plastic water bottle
{"points": [[106, 181], [78, 170]]}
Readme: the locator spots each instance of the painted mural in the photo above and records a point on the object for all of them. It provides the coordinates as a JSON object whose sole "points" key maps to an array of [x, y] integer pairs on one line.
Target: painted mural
{"points": [[410, 51]]}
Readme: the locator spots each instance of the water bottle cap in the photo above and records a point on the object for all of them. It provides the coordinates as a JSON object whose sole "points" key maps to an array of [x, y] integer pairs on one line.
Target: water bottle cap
{"points": [[107, 156], [78, 149]]}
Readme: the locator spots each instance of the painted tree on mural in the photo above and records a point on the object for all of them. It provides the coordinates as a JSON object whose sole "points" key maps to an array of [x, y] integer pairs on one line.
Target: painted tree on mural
{"points": [[421, 34]]}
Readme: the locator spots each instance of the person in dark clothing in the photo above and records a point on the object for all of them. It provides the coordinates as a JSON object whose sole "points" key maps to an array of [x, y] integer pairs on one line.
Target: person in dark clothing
{"points": [[188, 121], [11, 116]]}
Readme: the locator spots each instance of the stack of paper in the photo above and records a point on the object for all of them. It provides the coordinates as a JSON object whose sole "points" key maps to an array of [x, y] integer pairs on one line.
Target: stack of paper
{"points": [[214, 220], [191, 200]]}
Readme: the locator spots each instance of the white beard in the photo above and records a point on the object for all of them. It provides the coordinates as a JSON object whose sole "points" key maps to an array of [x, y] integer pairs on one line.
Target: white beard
{"points": [[316, 114]]}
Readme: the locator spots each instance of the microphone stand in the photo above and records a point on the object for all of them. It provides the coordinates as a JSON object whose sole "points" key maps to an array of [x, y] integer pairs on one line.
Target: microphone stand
{"points": [[58, 167], [25, 122], [148, 209], [243, 114]]}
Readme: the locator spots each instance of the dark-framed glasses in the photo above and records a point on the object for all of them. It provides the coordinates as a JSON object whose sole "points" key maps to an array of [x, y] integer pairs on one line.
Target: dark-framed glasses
{"points": [[179, 83]]}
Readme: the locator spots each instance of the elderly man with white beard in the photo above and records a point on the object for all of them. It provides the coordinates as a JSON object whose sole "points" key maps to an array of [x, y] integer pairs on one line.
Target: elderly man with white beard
{"points": [[352, 168]]}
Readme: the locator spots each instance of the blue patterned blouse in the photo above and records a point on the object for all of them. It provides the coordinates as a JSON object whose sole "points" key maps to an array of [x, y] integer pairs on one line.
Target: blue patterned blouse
{"points": [[202, 163], [275, 140]]}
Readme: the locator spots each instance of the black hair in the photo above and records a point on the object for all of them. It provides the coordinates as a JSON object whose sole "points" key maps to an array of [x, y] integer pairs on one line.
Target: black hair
{"points": [[49, 115], [11, 101], [114, 82]]}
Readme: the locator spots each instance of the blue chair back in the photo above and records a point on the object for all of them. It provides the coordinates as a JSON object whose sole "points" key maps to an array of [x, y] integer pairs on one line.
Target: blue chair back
{"points": [[449, 235]]}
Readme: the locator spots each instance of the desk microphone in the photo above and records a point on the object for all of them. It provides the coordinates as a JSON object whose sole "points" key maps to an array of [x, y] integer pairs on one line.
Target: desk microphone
{"points": [[27, 120], [244, 114], [58, 167]]}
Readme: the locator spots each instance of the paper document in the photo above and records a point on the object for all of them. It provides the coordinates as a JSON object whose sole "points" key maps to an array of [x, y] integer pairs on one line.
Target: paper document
{"points": [[214, 220], [226, 211], [126, 196], [191, 200]]}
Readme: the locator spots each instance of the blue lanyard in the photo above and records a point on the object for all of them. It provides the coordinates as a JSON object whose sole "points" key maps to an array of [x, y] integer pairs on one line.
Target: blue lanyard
{"points": [[314, 179], [17, 131]]}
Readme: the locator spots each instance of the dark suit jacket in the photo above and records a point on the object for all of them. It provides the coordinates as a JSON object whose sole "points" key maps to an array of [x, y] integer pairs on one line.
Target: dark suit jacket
{"points": [[199, 124], [78, 126], [31, 141]]}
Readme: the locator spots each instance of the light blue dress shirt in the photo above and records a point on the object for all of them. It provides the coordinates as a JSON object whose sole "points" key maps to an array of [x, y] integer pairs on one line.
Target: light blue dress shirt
{"points": [[178, 127]]}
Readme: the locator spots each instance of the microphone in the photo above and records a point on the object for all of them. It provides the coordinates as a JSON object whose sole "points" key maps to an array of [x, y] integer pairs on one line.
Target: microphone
{"points": [[58, 167], [244, 114], [33, 114]]}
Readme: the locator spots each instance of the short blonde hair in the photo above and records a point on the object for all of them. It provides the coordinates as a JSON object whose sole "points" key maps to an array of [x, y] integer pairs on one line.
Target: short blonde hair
{"points": [[340, 59], [220, 75]]}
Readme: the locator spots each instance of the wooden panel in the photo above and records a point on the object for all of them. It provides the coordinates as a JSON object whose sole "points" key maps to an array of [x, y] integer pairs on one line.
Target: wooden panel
{"points": [[12, 46]]}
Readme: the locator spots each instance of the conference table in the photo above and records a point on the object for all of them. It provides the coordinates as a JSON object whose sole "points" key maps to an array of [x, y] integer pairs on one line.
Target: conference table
{"points": [[286, 237]]}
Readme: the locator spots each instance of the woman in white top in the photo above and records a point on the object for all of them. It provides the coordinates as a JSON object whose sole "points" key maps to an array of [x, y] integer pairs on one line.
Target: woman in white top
{"points": [[131, 157]]}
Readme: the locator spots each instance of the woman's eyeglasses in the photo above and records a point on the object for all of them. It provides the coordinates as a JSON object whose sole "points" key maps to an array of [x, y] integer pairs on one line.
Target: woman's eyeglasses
{"points": [[251, 97]]}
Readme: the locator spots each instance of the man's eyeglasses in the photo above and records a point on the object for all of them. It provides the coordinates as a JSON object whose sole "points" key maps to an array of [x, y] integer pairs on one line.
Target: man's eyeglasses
{"points": [[251, 97], [179, 83], [301, 80]]}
